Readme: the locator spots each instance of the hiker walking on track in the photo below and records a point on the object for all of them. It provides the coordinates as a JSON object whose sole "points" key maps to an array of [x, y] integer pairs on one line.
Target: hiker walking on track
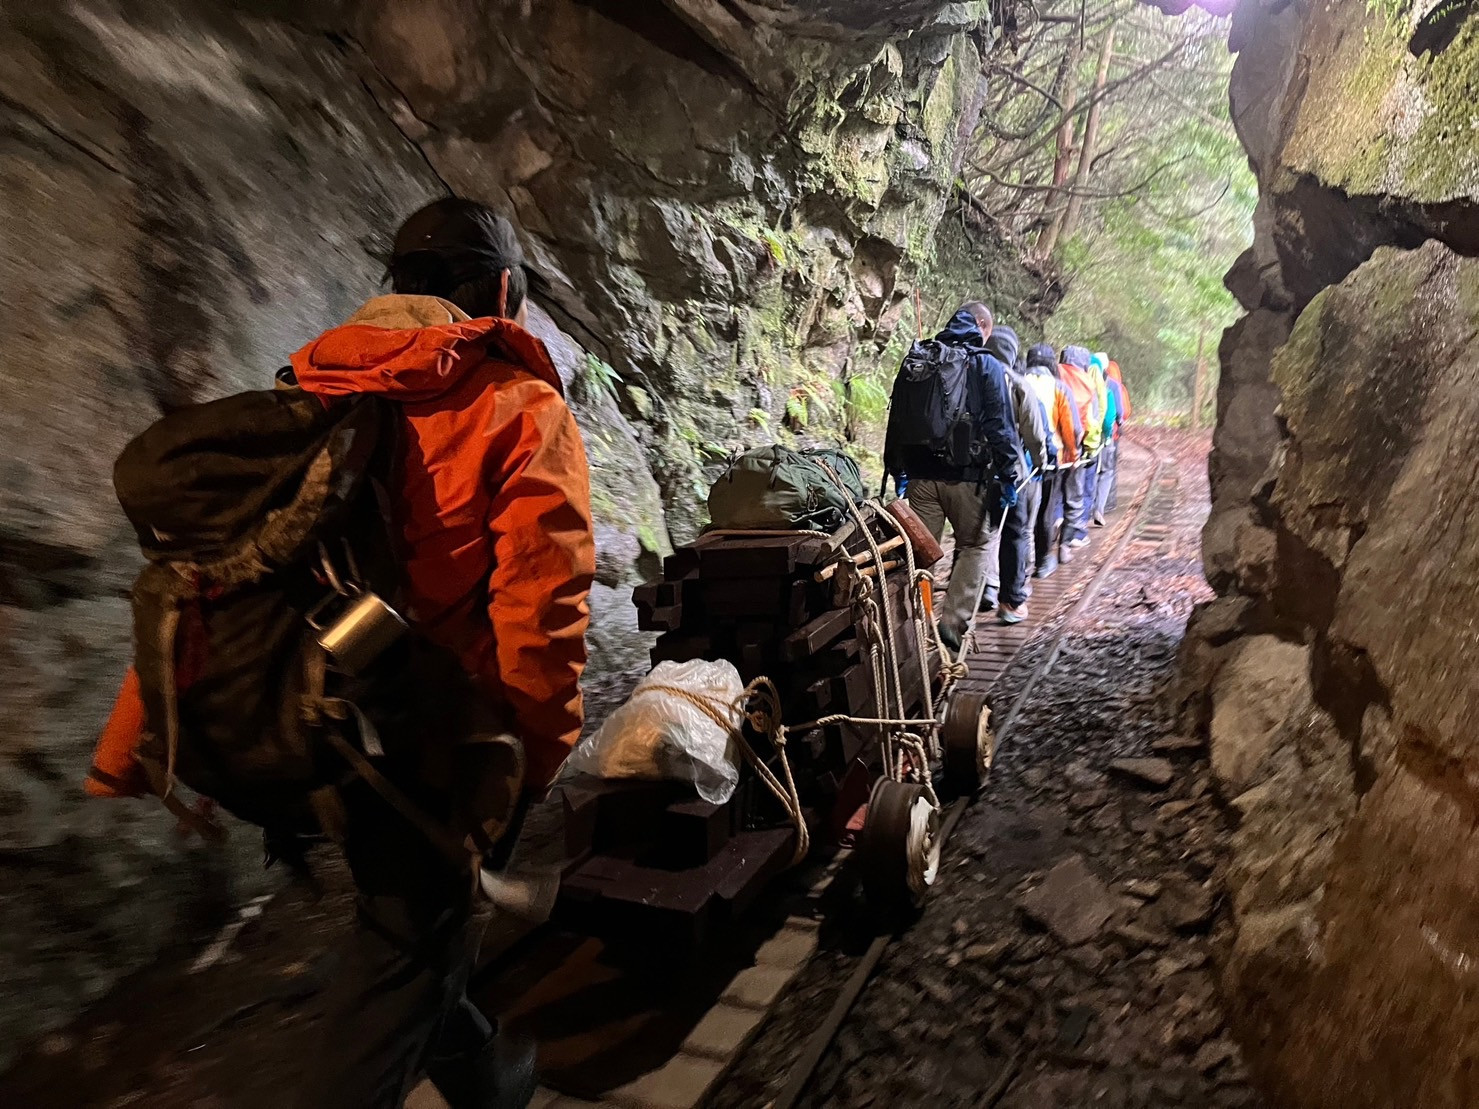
{"points": [[418, 754], [1063, 432], [1106, 493], [952, 443], [1012, 569], [1078, 486]]}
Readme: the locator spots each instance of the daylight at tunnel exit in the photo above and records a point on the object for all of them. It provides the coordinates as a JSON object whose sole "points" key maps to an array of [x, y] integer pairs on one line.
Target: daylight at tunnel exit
{"points": [[739, 554]]}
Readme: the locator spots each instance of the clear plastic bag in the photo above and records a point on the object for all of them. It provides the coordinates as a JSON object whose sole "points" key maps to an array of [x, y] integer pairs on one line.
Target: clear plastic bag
{"points": [[662, 736]]}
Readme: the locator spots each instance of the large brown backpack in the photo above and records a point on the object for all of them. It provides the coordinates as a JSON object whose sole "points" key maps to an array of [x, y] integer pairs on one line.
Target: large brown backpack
{"points": [[262, 519]]}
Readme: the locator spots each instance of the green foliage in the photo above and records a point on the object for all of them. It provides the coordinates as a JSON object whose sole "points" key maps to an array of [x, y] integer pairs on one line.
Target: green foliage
{"points": [[1145, 273], [1393, 11], [596, 377], [796, 411], [775, 245], [1144, 226], [869, 394]]}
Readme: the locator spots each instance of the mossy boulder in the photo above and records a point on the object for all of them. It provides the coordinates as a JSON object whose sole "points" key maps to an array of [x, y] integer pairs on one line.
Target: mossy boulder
{"points": [[1383, 113]]}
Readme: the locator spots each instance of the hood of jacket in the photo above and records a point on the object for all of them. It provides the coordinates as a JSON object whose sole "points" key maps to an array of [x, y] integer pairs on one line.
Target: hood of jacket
{"points": [[414, 348], [962, 331], [1004, 344], [1042, 357], [1077, 357], [1100, 361]]}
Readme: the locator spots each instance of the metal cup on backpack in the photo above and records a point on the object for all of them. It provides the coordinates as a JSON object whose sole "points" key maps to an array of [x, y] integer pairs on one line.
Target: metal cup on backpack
{"points": [[364, 628]]}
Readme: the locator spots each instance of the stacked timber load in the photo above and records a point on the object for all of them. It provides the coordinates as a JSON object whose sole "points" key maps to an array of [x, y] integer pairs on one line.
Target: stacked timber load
{"points": [[791, 607], [652, 863]]}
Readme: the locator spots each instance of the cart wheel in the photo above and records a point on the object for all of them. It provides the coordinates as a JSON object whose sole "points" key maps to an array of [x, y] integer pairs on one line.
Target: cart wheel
{"points": [[900, 846], [968, 743]]}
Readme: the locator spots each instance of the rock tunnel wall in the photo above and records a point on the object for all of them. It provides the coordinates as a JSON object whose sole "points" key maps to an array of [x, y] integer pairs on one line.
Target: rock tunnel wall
{"points": [[1336, 670], [725, 205]]}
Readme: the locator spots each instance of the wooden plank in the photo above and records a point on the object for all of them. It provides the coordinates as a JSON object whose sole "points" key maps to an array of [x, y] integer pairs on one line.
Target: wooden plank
{"points": [[841, 652], [672, 592], [852, 691], [659, 619], [747, 598], [813, 636], [745, 558], [680, 563], [682, 646], [692, 832]]}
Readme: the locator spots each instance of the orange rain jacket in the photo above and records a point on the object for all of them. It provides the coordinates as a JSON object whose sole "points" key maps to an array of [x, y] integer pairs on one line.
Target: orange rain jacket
{"points": [[492, 504], [1086, 398]]}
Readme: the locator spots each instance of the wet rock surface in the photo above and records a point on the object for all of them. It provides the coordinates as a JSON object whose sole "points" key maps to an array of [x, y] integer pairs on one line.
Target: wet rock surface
{"points": [[1330, 672], [1067, 956], [1350, 879]]}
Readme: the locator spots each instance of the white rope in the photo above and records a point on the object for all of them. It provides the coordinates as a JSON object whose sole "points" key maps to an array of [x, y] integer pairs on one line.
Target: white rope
{"points": [[880, 581], [893, 724]]}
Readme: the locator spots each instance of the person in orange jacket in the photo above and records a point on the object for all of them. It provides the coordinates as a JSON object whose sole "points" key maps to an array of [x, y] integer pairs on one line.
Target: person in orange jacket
{"points": [[1066, 430], [491, 498]]}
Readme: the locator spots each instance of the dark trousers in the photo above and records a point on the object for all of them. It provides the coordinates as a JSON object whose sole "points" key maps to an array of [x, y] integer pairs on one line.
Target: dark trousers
{"points": [[1016, 544], [1091, 490], [397, 1005], [1049, 517], [1073, 503]]}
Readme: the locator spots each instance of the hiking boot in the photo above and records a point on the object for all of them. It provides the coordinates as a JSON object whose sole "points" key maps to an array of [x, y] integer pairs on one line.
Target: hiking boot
{"points": [[501, 1076], [1077, 541], [1047, 567], [1012, 614], [950, 640], [1098, 520]]}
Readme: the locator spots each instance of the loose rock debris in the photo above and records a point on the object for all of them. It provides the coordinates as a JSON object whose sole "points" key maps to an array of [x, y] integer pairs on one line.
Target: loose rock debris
{"points": [[1071, 902]]}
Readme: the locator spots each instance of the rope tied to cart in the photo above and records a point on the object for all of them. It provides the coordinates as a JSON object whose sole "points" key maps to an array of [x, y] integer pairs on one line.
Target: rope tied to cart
{"points": [[908, 743], [898, 728]]}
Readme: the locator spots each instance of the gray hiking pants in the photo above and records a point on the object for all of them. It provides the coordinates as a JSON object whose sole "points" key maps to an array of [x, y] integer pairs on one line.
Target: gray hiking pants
{"points": [[971, 510], [1105, 490]]}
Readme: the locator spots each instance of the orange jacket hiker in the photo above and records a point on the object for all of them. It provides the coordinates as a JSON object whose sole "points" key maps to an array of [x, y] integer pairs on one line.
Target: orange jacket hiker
{"points": [[491, 500]]}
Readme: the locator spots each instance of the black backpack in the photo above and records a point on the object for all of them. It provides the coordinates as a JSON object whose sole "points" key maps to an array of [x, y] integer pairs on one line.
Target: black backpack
{"points": [[933, 407], [262, 519]]}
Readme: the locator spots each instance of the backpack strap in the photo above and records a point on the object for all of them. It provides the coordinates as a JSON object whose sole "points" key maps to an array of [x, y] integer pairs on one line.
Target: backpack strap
{"points": [[332, 713], [160, 783], [440, 837]]}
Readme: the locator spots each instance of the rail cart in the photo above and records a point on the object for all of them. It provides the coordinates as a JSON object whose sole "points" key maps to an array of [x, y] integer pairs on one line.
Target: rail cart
{"points": [[834, 633]]}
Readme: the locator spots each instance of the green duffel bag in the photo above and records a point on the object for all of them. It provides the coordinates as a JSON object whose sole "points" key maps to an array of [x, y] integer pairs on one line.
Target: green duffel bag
{"points": [[778, 489]]}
